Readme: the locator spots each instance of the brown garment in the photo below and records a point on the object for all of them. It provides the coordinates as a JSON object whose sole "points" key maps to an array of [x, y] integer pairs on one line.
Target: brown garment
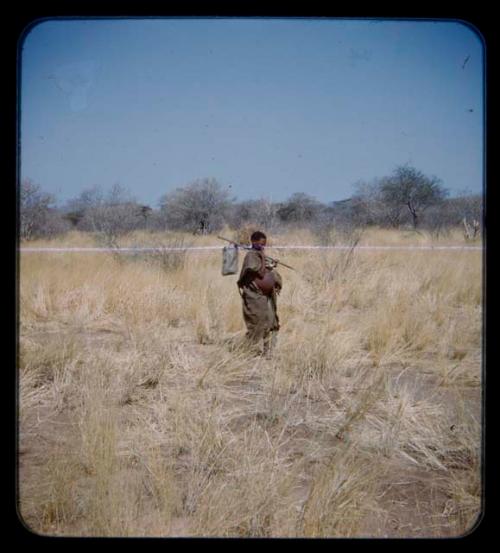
{"points": [[259, 310]]}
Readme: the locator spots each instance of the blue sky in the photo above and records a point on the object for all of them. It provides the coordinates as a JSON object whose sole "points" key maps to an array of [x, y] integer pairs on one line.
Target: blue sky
{"points": [[267, 107]]}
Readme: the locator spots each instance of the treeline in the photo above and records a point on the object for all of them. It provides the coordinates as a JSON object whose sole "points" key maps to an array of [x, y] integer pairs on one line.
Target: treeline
{"points": [[406, 198]]}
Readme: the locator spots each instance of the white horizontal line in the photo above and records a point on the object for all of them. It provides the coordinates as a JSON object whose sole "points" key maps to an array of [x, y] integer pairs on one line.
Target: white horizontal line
{"points": [[380, 247], [190, 248], [118, 250]]}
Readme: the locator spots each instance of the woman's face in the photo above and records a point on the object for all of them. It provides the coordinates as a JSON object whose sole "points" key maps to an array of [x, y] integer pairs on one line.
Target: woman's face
{"points": [[260, 242]]}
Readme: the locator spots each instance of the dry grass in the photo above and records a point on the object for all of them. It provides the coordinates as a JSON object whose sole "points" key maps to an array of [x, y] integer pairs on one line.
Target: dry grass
{"points": [[141, 414]]}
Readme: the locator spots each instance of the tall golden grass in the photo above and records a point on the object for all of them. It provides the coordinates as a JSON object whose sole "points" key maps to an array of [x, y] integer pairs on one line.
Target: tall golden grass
{"points": [[141, 415]]}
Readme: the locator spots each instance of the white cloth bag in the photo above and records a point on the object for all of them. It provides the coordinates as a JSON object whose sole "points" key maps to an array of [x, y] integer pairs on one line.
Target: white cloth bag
{"points": [[229, 260]]}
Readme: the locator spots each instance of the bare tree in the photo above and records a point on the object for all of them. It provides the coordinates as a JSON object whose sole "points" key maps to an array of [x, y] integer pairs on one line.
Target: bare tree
{"points": [[299, 208], [34, 207], [260, 213], [468, 209], [438, 220], [55, 224], [117, 214], [78, 210], [411, 188], [375, 209], [156, 220], [109, 215], [200, 207]]}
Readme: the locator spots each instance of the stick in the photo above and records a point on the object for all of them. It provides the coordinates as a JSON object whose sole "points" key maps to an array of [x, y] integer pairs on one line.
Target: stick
{"points": [[277, 261]]}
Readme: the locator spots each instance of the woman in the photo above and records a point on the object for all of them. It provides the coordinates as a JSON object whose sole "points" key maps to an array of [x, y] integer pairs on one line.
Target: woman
{"points": [[259, 285]]}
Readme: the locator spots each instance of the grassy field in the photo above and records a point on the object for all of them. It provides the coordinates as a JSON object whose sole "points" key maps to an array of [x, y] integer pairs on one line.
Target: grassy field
{"points": [[141, 413]]}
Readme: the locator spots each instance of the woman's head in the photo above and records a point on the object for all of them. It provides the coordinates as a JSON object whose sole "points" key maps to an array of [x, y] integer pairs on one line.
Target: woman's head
{"points": [[258, 240]]}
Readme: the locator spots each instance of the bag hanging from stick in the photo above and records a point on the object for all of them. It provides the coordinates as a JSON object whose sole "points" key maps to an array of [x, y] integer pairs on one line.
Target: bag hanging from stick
{"points": [[229, 260]]}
